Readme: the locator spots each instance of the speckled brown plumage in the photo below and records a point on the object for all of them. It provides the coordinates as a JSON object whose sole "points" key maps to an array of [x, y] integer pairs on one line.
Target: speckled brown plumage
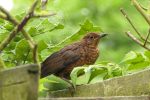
{"points": [[84, 52]]}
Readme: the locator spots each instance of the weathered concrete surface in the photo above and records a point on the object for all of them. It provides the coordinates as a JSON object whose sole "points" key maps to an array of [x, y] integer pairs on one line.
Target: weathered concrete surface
{"points": [[20, 83], [136, 84], [131, 85], [81, 91], [102, 98]]}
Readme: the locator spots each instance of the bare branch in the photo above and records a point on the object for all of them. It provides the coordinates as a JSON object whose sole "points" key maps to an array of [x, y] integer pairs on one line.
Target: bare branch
{"points": [[135, 29], [147, 38], [136, 40], [142, 12], [35, 54]]}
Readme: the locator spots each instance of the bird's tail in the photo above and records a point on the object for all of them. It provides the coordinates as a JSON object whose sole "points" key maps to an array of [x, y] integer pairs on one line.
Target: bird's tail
{"points": [[43, 71]]}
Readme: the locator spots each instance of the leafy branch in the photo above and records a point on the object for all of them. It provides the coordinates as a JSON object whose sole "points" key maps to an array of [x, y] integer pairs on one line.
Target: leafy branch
{"points": [[18, 28], [146, 17]]}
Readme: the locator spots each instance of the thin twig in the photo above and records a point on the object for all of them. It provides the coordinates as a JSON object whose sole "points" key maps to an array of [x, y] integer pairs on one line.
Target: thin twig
{"points": [[147, 38], [35, 54], [130, 22], [136, 40], [44, 15], [142, 12], [26, 56]]}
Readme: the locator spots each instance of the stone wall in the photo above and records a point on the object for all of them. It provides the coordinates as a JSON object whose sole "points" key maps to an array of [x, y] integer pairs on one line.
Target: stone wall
{"points": [[20, 83], [136, 84]]}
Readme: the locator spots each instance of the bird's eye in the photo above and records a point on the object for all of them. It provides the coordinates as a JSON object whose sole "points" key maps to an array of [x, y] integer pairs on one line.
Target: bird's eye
{"points": [[92, 37]]}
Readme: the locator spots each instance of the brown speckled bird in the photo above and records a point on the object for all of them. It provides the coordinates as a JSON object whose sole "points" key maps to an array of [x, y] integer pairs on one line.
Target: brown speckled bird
{"points": [[84, 52]]}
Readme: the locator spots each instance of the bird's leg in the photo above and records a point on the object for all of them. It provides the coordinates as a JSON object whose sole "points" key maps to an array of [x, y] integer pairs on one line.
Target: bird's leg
{"points": [[71, 88]]}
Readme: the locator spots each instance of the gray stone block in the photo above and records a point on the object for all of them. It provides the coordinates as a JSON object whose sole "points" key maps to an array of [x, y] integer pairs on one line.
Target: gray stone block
{"points": [[136, 84]]}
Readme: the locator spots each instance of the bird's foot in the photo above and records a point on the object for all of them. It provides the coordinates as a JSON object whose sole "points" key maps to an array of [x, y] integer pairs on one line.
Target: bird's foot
{"points": [[71, 88]]}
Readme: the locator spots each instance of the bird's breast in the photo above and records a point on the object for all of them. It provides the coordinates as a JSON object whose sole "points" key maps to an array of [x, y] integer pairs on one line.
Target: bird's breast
{"points": [[92, 55]]}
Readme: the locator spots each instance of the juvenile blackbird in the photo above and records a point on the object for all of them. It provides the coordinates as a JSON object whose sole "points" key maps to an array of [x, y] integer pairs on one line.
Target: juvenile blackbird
{"points": [[84, 52]]}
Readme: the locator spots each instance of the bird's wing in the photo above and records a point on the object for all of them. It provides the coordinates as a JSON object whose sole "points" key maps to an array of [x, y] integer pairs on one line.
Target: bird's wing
{"points": [[58, 61]]}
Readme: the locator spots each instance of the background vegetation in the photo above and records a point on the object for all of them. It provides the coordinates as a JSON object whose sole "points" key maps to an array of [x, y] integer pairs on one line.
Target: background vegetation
{"points": [[79, 16]]}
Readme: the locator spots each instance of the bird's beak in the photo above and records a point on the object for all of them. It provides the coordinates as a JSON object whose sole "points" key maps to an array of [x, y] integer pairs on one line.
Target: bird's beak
{"points": [[102, 35]]}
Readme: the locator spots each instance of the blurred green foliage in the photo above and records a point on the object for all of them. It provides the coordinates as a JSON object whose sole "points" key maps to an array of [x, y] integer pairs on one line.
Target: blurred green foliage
{"points": [[105, 14], [73, 20]]}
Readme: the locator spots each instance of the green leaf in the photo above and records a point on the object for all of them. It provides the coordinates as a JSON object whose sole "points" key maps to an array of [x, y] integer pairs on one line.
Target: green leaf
{"points": [[3, 35], [46, 25], [98, 78], [32, 31], [147, 54], [59, 26], [20, 15], [8, 26], [138, 66], [98, 73], [41, 45], [84, 79], [84, 75], [117, 71], [21, 50], [54, 83], [132, 57], [75, 72], [9, 58]]}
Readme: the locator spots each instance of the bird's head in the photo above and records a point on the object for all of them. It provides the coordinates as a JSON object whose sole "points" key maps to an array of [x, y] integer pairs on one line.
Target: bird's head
{"points": [[93, 38]]}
